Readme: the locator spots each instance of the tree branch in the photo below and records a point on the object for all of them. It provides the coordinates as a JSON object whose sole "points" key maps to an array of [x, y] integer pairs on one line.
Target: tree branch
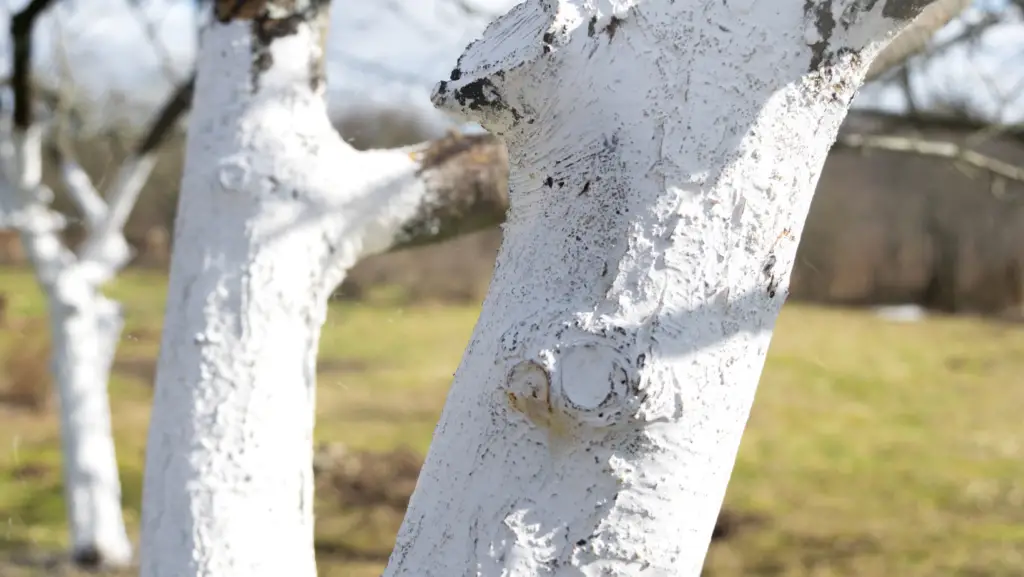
{"points": [[466, 179], [470, 10], [132, 176], [889, 122], [163, 55], [916, 35], [169, 114], [934, 149], [22, 24], [78, 184]]}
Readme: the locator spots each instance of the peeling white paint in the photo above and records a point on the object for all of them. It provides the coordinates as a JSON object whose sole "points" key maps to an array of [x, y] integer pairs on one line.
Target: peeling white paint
{"points": [[663, 162]]}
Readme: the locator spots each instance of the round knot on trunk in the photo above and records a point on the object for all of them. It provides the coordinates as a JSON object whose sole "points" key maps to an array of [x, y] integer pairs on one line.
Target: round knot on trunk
{"points": [[592, 384]]}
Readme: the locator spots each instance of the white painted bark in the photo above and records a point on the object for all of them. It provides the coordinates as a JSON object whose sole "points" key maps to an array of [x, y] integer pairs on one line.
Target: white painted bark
{"points": [[274, 209], [664, 155], [85, 328]]}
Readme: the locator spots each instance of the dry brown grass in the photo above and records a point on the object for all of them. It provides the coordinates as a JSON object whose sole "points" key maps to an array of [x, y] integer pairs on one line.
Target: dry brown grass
{"points": [[873, 449], [364, 480], [25, 380], [4, 305]]}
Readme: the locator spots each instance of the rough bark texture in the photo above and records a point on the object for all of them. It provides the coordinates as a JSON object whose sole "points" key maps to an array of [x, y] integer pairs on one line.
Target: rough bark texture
{"points": [[663, 156], [274, 209], [469, 174]]}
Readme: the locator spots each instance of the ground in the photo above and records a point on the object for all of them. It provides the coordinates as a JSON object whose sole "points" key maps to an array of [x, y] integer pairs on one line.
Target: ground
{"points": [[874, 448]]}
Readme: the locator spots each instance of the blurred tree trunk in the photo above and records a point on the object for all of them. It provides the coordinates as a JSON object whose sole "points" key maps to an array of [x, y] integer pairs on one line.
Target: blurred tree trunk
{"points": [[85, 326], [274, 209]]}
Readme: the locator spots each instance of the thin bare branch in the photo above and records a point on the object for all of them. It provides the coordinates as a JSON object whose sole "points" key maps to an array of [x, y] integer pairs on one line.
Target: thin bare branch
{"points": [[915, 37], [890, 122], [163, 55], [934, 149], [971, 33], [77, 183], [22, 25], [132, 176], [470, 10], [168, 116]]}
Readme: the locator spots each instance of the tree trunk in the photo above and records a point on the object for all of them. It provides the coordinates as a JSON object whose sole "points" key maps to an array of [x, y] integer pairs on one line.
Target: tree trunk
{"points": [[663, 159], [228, 488], [85, 328], [274, 209]]}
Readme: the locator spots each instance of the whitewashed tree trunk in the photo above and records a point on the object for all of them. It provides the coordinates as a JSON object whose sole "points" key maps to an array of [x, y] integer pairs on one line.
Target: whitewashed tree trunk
{"points": [[664, 154], [85, 326], [274, 209]]}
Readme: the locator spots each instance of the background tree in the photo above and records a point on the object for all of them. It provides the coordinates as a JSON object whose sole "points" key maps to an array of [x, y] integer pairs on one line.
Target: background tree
{"points": [[275, 207], [85, 326]]}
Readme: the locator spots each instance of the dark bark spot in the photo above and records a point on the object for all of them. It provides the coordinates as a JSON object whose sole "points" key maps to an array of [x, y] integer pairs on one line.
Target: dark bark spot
{"points": [[267, 29], [262, 61], [613, 26], [825, 24], [591, 26], [455, 75], [474, 95], [769, 265], [228, 10], [479, 94], [586, 188], [546, 40], [904, 9], [548, 182], [317, 76], [273, 19], [769, 272]]}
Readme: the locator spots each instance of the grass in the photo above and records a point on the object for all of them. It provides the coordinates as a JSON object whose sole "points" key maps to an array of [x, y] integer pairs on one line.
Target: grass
{"points": [[874, 449]]}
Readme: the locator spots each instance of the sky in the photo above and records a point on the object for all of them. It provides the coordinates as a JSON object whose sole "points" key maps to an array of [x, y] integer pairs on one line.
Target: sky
{"points": [[391, 52]]}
